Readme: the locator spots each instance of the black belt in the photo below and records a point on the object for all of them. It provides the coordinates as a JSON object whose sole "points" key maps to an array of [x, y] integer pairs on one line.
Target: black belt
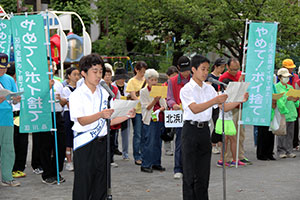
{"points": [[101, 139], [16, 113], [195, 123]]}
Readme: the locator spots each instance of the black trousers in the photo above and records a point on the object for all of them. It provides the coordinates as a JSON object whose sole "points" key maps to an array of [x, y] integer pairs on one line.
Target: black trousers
{"points": [[296, 134], [21, 146], [196, 157], [113, 147], [265, 143], [35, 153], [90, 179], [47, 149], [215, 138]]}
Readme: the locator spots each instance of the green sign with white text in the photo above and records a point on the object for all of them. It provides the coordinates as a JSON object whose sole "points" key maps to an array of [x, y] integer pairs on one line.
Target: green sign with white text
{"points": [[31, 68], [259, 72]]}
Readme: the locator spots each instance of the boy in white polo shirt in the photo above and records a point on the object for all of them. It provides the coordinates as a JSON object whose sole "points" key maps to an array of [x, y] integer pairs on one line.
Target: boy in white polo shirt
{"points": [[197, 99], [88, 109]]}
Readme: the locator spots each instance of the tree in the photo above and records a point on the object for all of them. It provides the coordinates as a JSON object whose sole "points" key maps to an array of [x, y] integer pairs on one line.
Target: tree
{"points": [[200, 26], [9, 5], [81, 7]]}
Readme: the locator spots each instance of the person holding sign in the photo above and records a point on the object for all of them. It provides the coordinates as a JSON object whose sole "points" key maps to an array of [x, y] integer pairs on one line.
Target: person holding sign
{"points": [[153, 119], [233, 73], [7, 125], [287, 105], [197, 99], [90, 130]]}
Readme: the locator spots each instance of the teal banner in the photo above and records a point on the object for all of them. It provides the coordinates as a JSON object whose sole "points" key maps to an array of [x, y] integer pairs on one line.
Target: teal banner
{"points": [[5, 36], [259, 72], [32, 78]]}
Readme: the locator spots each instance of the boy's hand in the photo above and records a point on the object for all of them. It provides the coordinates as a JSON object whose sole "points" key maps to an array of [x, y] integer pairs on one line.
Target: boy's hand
{"points": [[246, 96], [221, 98], [131, 113], [106, 113], [2, 99], [176, 107], [16, 99]]}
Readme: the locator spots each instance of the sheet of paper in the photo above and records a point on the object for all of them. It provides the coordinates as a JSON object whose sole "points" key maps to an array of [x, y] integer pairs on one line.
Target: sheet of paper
{"points": [[236, 91], [8, 94], [122, 107], [277, 96], [293, 93], [159, 91]]}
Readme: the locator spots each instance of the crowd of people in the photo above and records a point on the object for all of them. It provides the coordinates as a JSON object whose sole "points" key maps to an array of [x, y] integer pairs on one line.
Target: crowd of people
{"points": [[82, 106]]}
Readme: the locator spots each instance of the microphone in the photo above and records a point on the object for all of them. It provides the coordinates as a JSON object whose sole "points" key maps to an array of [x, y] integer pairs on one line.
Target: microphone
{"points": [[212, 80], [105, 86]]}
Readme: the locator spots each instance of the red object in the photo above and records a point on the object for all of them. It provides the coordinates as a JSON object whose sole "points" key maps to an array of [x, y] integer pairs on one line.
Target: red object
{"points": [[227, 75], [115, 91], [176, 87], [55, 48]]}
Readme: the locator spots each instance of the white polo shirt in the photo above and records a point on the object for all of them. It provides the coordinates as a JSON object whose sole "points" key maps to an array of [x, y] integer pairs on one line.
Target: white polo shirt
{"points": [[192, 92], [58, 88], [82, 102], [66, 94]]}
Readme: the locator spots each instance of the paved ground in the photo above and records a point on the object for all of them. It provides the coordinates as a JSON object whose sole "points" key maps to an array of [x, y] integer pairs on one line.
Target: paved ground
{"points": [[276, 180]]}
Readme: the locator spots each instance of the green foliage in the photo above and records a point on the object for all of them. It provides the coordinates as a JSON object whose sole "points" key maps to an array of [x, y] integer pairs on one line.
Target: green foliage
{"points": [[199, 26], [9, 6], [110, 45], [81, 7]]}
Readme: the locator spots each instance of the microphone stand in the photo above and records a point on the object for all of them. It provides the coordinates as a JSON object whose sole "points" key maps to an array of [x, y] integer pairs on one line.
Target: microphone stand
{"points": [[223, 147], [108, 159]]}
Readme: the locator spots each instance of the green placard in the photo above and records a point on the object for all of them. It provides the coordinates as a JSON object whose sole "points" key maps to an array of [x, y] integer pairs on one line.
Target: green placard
{"points": [[259, 72], [5, 36], [32, 78]]}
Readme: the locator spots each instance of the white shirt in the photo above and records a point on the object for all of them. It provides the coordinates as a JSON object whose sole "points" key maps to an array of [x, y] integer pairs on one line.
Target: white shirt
{"points": [[145, 100], [58, 88], [193, 93], [66, 94], [119, 93], [82, 102]]}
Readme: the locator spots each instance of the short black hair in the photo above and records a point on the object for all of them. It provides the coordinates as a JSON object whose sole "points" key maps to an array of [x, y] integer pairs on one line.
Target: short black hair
{"points": [[197, 60], [171, 70], [12, 69], [86, 62], [69, 71], [139, 65]]}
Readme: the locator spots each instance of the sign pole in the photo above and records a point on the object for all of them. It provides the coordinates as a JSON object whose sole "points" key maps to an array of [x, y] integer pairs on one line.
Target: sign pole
{"points": [[240, 106], [53, 101]]}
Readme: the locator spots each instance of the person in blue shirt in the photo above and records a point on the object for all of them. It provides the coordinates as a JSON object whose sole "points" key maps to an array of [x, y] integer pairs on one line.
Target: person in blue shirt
{"points": [[7, 154]]}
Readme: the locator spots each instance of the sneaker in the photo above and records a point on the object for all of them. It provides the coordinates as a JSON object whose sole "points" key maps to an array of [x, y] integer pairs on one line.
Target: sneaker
{"points": [[282, 156], [38, 171], [61, 179], [246, 161], [126, 158], [114, 165], [50, 181], [12, 183], [117, 152], [215, 150], [220, 164], [291, 155], [178, 175], [233, 163], [69, 166], [18, 174]]}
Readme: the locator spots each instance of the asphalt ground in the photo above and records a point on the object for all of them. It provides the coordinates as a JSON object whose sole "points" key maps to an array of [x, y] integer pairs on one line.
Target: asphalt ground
{"points": [[276, 180]]}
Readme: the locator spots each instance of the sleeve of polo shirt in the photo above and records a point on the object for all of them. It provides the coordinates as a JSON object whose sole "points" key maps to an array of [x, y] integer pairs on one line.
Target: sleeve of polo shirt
{"points": [[186, 97], [76, 107], [130, 86], [65, 93]]}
